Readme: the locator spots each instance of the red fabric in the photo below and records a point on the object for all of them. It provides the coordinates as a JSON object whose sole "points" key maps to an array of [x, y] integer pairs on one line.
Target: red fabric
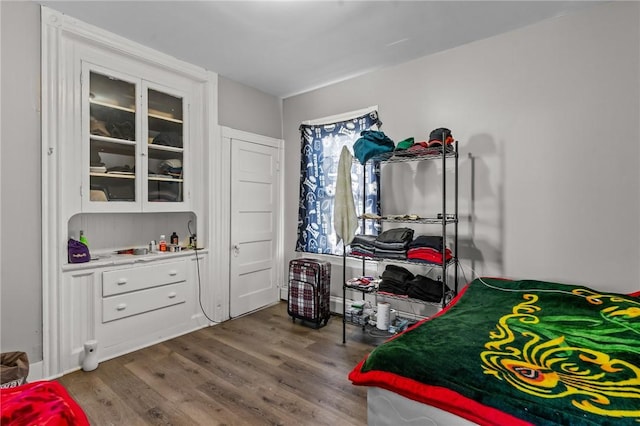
{"points": [[436, 396], [42, 403], [428, 254]]}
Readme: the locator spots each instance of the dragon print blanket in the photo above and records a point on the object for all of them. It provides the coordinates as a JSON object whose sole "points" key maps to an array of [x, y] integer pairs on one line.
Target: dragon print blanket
{"points": [[520, 352]]}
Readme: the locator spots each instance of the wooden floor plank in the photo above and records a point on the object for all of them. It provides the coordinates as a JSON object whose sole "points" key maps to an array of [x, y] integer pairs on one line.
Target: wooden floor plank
{"points": [[288, 391], [174, 379], [257, 369], [102, 405], [264, 384]]}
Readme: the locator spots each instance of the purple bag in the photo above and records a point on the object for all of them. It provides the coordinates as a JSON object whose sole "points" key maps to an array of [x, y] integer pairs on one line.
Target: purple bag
{"points": [[78, 252]]}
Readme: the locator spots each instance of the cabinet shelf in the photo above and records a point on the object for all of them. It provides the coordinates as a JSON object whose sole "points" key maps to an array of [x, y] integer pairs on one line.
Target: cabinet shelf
{"points": [[422, 220], [413, 155], [447, 298], [113, 175], [165, 179], [405, 261], [160, 116], [108, 143], [112, 106], [153, 147]]}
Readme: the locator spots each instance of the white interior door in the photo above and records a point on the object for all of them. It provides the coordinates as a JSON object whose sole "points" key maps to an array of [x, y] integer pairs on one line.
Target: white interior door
{"points": [[254, 221]]}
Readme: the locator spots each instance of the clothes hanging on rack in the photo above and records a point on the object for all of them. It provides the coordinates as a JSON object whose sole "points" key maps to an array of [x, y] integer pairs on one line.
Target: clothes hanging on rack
{"points": [[345, 219]]}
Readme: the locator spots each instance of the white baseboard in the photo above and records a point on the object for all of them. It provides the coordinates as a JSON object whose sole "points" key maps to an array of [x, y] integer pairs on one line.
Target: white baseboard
{"points": [[283, 292], [36, 371], [335, 303], [335, 306]]}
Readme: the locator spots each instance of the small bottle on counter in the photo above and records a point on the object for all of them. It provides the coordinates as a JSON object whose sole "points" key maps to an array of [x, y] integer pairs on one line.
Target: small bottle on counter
{"points": [[162, 244], [83, 239], [174, 239]]}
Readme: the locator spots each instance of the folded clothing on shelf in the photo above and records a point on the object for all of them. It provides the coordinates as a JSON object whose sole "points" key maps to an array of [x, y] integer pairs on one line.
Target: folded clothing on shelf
{"points": [[395, 235], [399, 281], [428, 255], [393, 243], [98, 127], [398, 243], [172, 167], [425, 288], [433, 241], [395, 280], [362, 245], [370, 144], [172, 139], [400, 254], [363, 283]]}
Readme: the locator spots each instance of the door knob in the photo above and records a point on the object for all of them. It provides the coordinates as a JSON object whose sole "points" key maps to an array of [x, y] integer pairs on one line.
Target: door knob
{"points": [[236, 249]]}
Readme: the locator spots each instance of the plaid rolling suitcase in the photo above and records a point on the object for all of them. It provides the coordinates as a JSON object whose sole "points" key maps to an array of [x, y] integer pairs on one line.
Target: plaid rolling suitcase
{"points": [[309, 290]]}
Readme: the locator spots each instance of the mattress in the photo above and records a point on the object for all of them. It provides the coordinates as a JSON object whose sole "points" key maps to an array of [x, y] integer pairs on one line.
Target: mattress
{"points": [[386, 408]]}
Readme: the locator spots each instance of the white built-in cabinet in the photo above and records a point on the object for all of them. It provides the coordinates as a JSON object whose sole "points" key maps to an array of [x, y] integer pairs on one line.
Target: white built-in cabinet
{"points": [[126, 305], [125, 129]]}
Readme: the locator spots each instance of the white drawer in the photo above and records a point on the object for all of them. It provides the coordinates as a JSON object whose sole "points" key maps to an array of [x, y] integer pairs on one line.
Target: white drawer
{"points": [[141, 277], [124, 305]]}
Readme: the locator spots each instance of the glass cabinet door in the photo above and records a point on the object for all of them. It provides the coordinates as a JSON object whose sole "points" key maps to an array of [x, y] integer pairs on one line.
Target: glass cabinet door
{"points": [[136, 132], [112, 139], [165, 149]]}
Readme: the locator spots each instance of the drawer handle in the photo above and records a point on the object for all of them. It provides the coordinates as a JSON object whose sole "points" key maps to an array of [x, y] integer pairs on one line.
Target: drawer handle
{"points": [[172, 295], [122, 281], [173, 272], [121, 307]]}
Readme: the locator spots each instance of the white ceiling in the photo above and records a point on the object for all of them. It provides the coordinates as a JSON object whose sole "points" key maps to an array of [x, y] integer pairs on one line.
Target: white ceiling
{"points": [[289, 47]]}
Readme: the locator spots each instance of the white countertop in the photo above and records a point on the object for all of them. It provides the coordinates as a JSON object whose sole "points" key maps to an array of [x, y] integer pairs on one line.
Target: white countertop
{"points": [[112, 258]]}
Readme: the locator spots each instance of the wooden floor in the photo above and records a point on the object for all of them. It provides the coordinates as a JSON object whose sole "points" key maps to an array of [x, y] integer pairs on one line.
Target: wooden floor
{"points": [[258, 369]]}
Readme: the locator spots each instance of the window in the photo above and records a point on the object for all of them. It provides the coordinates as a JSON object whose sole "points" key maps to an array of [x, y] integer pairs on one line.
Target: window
{"points": [[321, 146]]}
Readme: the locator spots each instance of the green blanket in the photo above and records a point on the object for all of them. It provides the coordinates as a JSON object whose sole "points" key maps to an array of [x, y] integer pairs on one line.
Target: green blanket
{"points": [[543, 352]]}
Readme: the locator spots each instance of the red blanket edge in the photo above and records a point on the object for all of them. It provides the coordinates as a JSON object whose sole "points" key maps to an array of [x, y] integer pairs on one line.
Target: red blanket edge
{"points": [[436, 396]]}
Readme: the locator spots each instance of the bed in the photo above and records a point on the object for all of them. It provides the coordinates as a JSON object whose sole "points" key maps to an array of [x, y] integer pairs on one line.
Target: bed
{"points": [[508, 352]]}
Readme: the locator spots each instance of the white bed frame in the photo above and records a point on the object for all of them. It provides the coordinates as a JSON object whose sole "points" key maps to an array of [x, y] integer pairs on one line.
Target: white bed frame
{"points": [[386, 408]]}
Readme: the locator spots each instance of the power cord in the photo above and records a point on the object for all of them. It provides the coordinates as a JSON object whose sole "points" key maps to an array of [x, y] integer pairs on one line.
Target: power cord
{"points": [[510, 290], [195, 249]]}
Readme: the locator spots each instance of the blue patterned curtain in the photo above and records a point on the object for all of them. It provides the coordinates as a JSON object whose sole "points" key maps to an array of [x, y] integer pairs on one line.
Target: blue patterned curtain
{"points": [[321, 146]]}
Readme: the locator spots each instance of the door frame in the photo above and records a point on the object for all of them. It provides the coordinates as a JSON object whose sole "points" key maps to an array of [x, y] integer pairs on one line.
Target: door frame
{"points": [[221, 228]]}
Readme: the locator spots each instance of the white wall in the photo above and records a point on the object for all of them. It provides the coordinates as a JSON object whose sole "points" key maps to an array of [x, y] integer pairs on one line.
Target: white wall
{"points": [[245, 108], [550, 114], [21, 292]]}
